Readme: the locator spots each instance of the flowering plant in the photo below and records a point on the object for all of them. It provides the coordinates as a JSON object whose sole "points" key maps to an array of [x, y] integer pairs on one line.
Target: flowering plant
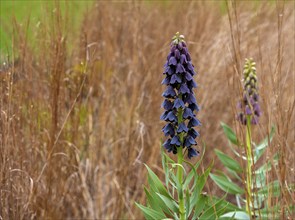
{"points": [[181, 196]]}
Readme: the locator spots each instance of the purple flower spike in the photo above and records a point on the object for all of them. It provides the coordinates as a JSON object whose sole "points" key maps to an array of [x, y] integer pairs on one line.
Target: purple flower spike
{"points": [[180, 103], [249, 105]]}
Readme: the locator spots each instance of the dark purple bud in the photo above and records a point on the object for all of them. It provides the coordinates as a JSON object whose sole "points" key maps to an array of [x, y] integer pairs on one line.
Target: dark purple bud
{"points": [[175, 79], [167, 105], [182, 128], [183, 59], [175, 141], [177, 54], [178, 103], [192, 152], [168, 129], [194, 122], [179, 68], [255, 97], [172, 61], [248, 110], [169, 92], [187, 113], [183, 89], [179, 46], [257, 111], [173, 48]]}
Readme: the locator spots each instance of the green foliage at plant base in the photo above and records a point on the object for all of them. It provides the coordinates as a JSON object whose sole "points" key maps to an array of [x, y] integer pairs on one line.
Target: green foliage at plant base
{"points": [[261, 188], [161, 202]]}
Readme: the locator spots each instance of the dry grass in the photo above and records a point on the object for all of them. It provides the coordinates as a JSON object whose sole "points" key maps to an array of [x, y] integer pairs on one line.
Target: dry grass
{"points": [[76, 127]]}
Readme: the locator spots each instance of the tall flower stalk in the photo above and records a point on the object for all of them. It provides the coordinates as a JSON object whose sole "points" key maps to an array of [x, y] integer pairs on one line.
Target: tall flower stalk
{"points": [[181, 197], [249, 115], [180, 104]]}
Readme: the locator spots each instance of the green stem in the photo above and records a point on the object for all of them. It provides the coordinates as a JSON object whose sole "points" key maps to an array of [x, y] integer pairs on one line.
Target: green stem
{"points": [[249, 165], [180, 190], [182, 211]]}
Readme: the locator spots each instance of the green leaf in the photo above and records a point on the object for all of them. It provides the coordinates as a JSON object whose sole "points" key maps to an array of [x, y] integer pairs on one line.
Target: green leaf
{"points": [[193, 172], [170, 203], [214, 210], [155, 183], [238, 215], [199, 187], [231, 136], [153, 201], [260, 148], [199, 206], [156, 202], [226, 185], [150, 213], [228, 162], [187, 203]]}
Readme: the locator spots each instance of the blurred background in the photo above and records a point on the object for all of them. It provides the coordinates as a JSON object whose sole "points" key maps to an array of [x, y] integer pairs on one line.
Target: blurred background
{"points": [[81, 93]]}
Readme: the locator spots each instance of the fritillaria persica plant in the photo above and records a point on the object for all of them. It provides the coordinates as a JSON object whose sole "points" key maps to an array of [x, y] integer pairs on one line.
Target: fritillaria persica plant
{"points": [[181, 197]]}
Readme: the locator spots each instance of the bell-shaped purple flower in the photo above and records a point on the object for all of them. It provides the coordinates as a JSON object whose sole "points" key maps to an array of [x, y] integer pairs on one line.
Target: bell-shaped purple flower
{"points": [[168, 129], [182, 128], [169, 92], [178, 103], [192, 152]]}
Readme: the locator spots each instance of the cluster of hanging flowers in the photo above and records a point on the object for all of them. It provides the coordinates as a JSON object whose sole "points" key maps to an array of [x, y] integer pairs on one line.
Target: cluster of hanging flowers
{"points": [[180, 103], [249, 105]]}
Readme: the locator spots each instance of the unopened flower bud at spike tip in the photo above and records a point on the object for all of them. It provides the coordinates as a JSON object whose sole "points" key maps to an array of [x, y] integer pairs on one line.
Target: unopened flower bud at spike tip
{"points": [[180, 104], [249, 105]]}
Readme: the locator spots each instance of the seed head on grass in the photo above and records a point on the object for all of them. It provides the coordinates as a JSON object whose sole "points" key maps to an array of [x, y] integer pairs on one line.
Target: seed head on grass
{"points": [[249, 105], [180, 103]]}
